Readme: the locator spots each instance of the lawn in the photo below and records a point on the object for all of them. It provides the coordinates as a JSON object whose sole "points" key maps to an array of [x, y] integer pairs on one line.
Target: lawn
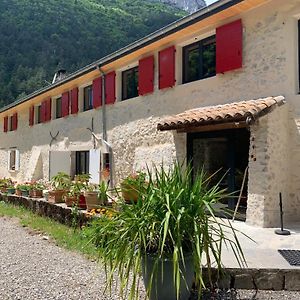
{"points": [[63, 236]]}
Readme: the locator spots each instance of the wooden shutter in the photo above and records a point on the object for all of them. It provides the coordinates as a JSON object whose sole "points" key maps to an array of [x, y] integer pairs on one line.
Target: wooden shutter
{"points": [[5, 124], [43, 112], [167, 67], [65, 104], [110, 87], [74, 100], [97, 92], [229, 47], [15, 121], [146, 75], [31, 115], [47, 110]]}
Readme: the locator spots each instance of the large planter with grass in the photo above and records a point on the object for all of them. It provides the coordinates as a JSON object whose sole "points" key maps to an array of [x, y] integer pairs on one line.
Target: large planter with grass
{"points": [[60, 184], [162, 286]]}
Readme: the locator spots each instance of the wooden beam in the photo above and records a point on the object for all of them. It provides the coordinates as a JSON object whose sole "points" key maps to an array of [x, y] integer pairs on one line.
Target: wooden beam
{"points": [[214, 127]]}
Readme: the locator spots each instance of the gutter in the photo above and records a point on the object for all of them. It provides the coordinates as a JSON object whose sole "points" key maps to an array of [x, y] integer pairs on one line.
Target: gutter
{"points": [[143, 42]]}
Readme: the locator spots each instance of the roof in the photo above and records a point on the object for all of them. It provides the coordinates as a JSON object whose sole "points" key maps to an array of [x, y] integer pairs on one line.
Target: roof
{"points": [[244, 111], [159, 34]]}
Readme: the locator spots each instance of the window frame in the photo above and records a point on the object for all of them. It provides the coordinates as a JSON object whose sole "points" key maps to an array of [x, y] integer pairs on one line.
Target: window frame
{"points": [[15, 154], [199, 45], [86, 157], [90, 101], [11, 123], [135, 85], [58, 113], [38, 119]]}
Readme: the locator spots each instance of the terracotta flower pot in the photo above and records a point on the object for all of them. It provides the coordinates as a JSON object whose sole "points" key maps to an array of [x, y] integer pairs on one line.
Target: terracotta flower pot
{"points": [[129, 193], [56, 196], [92, 200], [18, 192], [36, 194], [70, 201]]}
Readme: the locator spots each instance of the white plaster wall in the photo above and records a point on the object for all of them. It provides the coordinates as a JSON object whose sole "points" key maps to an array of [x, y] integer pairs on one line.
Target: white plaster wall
{"points": [[270, 67]]}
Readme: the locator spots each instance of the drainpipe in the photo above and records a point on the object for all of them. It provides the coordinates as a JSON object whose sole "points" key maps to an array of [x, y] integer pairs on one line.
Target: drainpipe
{"points": [[104, 129]]}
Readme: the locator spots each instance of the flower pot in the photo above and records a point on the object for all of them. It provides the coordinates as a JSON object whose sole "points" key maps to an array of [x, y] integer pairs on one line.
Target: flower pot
{"points": [[36, 193], [3, 190], [92, 200], [18, 192], [11, 191], [56, 196], [82, 202], [129, 193], [70, 201], [24, 193], [163, 287]]}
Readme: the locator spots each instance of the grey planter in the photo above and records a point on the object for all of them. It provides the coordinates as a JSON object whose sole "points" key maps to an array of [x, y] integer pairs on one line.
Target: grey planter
{"points": [[163, 287]]}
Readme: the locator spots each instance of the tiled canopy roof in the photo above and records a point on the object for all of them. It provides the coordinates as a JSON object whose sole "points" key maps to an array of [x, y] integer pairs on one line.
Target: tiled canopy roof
{"points": [[246, 111]]}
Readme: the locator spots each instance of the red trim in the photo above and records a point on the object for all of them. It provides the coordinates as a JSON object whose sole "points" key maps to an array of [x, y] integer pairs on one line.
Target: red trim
{"points": [[146, 75], [110, 87], [15, 122], [5, 124], [229, 47], [97, 92], [43, 112], [74, 100], [65, 104], [166, 64]]}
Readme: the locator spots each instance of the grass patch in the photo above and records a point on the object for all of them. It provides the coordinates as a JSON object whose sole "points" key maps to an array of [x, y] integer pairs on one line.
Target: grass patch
{"points": [[64, 236]]}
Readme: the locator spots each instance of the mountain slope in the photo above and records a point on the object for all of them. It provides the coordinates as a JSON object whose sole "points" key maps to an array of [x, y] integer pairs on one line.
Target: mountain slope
{"points": [[187, 5], [40, 36]]}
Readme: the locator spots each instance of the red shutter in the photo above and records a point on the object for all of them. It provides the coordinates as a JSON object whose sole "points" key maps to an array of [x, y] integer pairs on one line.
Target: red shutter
{"points": [[48, 109], [167, 67], [110, 88], [74, 101], [229, 44], [65, 104], [97, 92], [31, 115], [5, 124], [15, 121], [146, 75]]}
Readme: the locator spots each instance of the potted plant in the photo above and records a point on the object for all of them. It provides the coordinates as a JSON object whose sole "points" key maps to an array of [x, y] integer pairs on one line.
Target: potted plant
{"points": [[37, 188], [23, 189], [169, 236], [91, 195], [130, 186], [60, 184], [11, 189], [76, 190], [4, 183]]}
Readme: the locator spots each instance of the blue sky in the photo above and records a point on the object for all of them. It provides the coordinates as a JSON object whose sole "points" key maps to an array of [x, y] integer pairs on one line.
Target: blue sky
{"points": [[208, 2]]}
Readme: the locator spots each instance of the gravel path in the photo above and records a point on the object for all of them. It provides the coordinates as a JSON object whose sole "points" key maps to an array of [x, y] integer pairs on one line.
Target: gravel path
{"points": [[32, 268]]}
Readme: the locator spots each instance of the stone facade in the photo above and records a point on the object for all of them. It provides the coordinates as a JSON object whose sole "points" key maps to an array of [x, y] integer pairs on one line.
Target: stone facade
{"points": [[270, 68]]}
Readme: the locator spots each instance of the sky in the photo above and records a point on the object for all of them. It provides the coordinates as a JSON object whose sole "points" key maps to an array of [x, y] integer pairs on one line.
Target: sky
{"points": [[208, 2]]}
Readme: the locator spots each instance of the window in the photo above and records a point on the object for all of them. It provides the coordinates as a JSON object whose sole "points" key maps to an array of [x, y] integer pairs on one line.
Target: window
{"points": [[58, 108], [88, 98], [199, 60], [13, 160], [38, 114], [11, 123], [82, 162], [130, 83]]}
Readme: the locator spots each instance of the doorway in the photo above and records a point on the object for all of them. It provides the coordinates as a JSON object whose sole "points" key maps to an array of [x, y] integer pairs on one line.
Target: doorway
{"points": [[223, 153]]}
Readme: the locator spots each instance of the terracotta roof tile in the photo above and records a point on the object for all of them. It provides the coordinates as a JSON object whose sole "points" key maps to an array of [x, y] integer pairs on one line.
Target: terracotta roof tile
{"points": [[231, 112]]}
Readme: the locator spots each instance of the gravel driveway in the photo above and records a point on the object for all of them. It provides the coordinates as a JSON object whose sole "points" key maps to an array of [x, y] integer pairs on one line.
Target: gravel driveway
{"points": [[34, 268]]}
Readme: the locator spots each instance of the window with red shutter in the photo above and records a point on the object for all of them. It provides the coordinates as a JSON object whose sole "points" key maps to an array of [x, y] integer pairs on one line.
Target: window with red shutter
{"points": [[97, 92], [146, 75], [15, 121], [110, 88], [5, 124], [48, 109], [167, 67], [31, 115], [229, 44], [65, 103], [74, 101]]}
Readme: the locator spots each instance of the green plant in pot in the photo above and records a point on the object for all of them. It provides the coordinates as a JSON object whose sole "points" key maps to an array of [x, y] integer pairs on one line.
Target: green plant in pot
{"points": [[76, 189], [169, 236], [11, 189], [4, 183], [37, 188], [24, 189], [131, 186], [60, 184], [91, 195]]}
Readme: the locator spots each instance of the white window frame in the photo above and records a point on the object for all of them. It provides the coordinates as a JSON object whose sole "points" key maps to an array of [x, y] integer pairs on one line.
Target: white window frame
{"points": [[16, 166]]}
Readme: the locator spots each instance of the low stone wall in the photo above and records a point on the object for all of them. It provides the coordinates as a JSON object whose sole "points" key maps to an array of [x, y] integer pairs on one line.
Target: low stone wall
{"points": [[57, 212], [259, 279]]}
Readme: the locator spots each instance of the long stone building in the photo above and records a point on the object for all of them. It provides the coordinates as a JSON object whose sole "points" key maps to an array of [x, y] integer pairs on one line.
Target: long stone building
{"points": [[219, 88]]}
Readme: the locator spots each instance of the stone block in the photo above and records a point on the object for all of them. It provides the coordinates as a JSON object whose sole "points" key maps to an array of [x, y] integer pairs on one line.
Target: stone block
{"points": [[292, 280]]}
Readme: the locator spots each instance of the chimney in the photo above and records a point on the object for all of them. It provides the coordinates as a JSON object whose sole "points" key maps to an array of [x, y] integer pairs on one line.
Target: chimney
{"points": [[59, 75]]}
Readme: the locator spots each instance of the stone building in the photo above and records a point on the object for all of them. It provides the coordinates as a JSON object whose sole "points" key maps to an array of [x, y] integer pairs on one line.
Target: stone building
{"points": [[219, 88]]}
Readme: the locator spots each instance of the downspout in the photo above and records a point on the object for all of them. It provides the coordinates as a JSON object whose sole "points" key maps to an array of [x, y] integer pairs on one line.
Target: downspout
{"points": [[104, 129]]}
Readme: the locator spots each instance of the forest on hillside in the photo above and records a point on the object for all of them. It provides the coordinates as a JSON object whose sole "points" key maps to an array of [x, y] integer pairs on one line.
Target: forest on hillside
{"points": [[40, 36]]}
